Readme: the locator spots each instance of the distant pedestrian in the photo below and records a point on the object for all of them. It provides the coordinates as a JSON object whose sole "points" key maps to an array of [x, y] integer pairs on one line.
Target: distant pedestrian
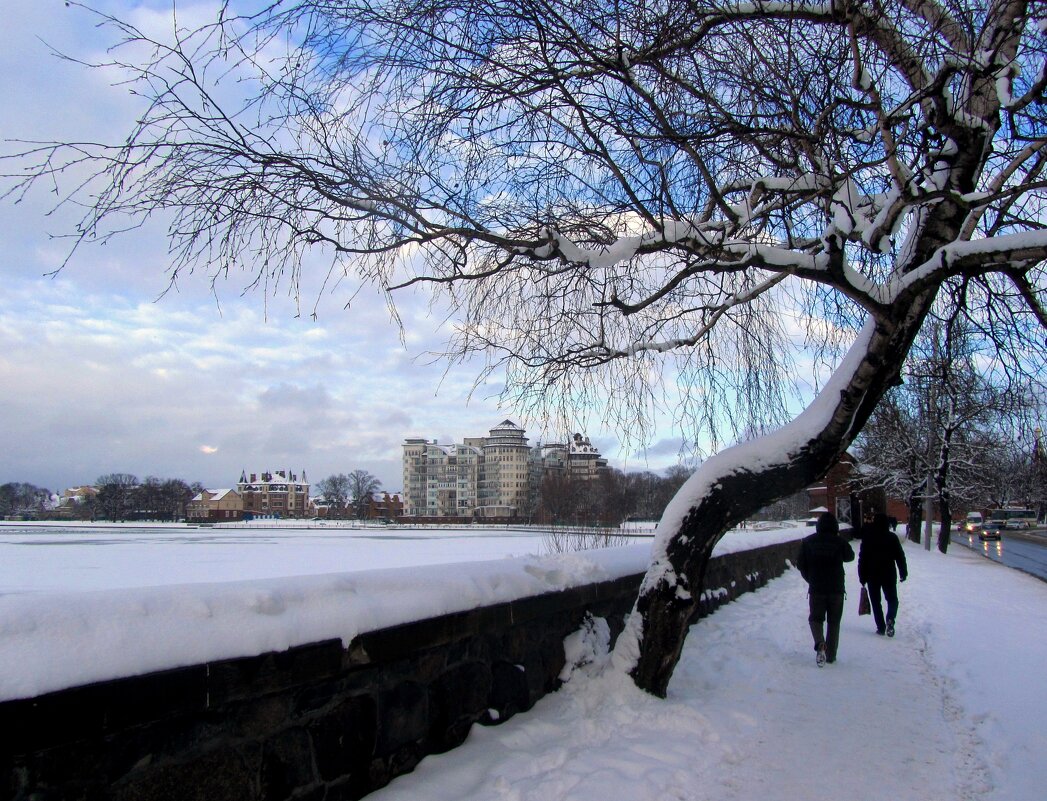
{"points": [[881, 562], [822, 555]]}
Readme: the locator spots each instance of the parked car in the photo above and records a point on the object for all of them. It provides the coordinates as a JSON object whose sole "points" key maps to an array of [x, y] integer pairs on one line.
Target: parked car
{"points": [[1014, 525], [991, 530]]}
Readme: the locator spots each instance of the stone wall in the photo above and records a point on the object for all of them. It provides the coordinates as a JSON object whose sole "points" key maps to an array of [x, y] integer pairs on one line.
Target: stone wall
{"points": [[318, 722]]}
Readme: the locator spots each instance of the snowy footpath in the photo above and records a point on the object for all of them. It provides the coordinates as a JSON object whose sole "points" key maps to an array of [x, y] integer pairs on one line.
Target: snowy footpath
{"points": [[953, 708]]}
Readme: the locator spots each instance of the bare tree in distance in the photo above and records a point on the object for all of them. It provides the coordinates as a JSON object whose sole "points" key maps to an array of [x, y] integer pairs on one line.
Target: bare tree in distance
{"points": [[20, 497], [115, 494], [335, 490], [940, 431], [362, 485], [609, 195]]}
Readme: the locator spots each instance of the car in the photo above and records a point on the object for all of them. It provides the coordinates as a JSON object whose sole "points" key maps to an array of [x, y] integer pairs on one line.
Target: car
{"points": [[991, 530], [1015, 525]]}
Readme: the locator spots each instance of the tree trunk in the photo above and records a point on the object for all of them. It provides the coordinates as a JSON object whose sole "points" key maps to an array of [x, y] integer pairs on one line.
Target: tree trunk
{"points": [[732, 485], [915, 524], [941, 481], [945, 510], [945, 532]]}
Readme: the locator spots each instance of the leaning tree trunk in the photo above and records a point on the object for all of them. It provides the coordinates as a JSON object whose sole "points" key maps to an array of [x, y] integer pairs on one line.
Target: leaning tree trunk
{"points": [[732, 485]]}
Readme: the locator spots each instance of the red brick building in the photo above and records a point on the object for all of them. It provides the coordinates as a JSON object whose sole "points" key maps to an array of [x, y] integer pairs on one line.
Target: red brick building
{"points": [[275, 494], [838, 493], [385, 506]]}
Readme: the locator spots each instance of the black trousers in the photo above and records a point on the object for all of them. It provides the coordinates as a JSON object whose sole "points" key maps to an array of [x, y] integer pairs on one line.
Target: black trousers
{"points": [[826, 608], [890, 592]]}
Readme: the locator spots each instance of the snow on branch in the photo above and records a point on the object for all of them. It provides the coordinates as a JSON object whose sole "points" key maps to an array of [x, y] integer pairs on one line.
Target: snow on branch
{"points": [[989, 254]]}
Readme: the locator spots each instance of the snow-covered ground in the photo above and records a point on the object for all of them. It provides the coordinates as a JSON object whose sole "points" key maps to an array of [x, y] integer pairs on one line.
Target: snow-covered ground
{"points": [[952, 709], [86, 603]]}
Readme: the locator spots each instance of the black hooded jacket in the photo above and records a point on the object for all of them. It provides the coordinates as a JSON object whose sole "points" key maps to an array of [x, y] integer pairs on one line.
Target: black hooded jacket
{"points": [[821, 562], [881, 550]]}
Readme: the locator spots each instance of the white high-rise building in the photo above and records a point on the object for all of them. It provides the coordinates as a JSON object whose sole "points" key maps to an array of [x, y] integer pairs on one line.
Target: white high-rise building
{"points": [[492, 477]]}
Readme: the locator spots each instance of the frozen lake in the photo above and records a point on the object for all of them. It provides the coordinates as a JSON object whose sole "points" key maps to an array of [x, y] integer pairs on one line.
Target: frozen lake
{"points": [[43, 558]]}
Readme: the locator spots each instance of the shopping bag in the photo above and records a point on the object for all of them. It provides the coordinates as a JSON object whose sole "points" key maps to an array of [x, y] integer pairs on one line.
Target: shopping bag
{"points": [[864, 607]]}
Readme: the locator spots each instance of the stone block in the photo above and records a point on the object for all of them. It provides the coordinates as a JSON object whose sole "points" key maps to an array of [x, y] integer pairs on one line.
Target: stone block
{"points": [[457, 699], [258, 718], [352, 788], [403, 715], [287, 765], [95, 710], [344, 739], [248, 677], [229, 773]]}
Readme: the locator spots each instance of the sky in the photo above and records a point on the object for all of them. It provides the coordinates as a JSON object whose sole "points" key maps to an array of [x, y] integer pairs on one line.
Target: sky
{"points": [[106, 368]]}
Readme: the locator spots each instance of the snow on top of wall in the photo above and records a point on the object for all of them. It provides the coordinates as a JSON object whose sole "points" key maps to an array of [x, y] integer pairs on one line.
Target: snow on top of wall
{"points": [[54, 640]]}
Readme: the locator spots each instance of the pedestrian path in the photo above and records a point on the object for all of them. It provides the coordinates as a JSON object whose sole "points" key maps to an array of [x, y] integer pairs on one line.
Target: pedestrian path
{"points": [[942, 712]]}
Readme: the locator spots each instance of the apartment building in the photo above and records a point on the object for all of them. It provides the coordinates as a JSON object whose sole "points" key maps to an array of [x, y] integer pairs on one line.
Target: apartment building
{"points": [[506, 484], [495, 477], [274, 494], [578, 458], [440, 480]]}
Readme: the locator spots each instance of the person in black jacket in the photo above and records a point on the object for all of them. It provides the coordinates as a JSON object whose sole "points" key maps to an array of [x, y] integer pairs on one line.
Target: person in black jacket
{"points": [[821, 564], [881, 551]]}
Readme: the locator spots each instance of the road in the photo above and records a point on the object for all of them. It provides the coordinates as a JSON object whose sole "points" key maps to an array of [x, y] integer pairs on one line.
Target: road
{"points": [[1025, 551]]}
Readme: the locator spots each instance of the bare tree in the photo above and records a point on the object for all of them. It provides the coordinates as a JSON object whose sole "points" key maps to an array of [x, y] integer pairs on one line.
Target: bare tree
{"points": [[19, 497], [936, 433], [557, 496], [1015, 474], [174, 495], [115, 497], [335, 490], [362, 485], [605, 191]]}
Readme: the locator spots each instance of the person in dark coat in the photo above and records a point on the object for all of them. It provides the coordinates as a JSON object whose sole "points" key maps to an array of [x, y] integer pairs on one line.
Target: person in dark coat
{"points": [[881, 562], [821, 564]]}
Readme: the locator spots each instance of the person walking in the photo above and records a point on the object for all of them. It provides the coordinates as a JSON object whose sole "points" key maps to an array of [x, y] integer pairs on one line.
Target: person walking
{"points": [[821, 564], [881, 562]]}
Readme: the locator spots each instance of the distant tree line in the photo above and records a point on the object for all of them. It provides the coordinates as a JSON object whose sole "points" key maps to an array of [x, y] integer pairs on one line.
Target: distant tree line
{"points": [[120, 496], [610, 499], [20, 498], [617, 496]]}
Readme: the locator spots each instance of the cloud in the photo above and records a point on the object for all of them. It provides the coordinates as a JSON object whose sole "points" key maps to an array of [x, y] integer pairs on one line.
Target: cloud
{"points": [[113, 366], [671, 446]]}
